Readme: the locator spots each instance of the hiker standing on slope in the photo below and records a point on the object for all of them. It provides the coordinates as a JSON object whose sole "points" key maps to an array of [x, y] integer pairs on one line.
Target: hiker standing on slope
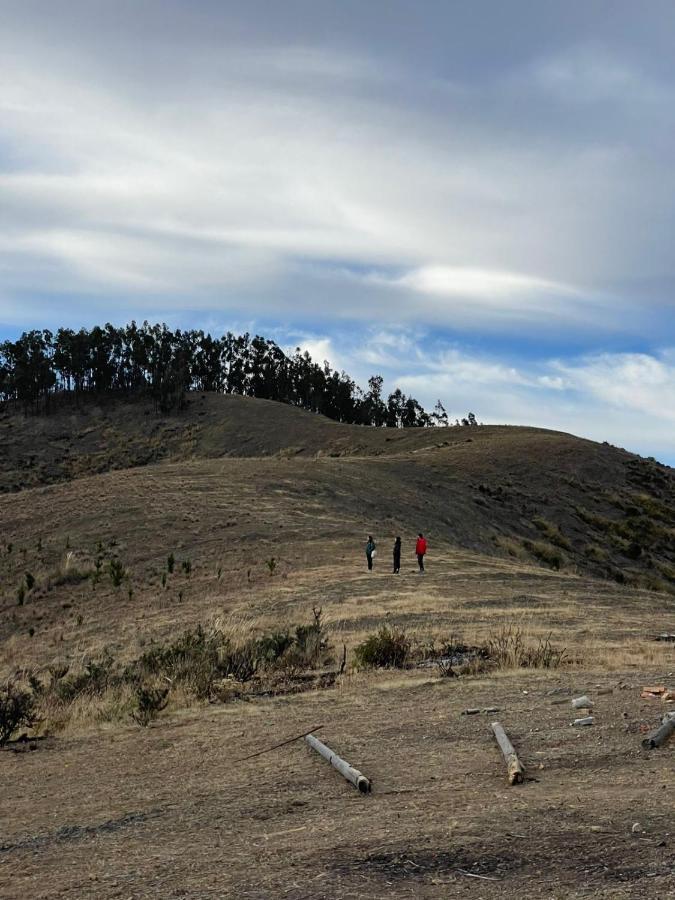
{"points": [[420, 550], [397, 556], [370, 551]]}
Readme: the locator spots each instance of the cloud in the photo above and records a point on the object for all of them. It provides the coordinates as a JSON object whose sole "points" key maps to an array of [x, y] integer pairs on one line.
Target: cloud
{"points": [[278, 167], [332, 169], [624, 398]]}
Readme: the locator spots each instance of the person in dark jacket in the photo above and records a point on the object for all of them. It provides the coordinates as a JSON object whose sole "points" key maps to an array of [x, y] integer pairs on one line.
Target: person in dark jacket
{"points": [[397, 556], [420, 550], [370, 551]]}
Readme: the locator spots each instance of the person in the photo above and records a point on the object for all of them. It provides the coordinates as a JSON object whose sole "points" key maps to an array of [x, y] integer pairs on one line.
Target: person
{"points": [[420, 550], [370, 551], [397, 556]]}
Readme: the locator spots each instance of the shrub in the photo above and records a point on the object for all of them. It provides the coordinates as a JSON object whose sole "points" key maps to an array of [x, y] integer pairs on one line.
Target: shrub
{"points": [[310, 641], [271, 565], [20, 594], [186, 566], [510, 546], [389, 648], [272, 647], [595, 553], [149, 703], [170, 562], [552, 532], [17, 710], [117, 572], [95, 676], [506, 649], [547, 553], [30, 580]]}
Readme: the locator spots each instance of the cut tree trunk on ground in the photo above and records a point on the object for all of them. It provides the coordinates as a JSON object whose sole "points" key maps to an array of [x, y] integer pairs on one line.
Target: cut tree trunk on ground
{"points": [[661, 735], [515, 770], [349, 772]]}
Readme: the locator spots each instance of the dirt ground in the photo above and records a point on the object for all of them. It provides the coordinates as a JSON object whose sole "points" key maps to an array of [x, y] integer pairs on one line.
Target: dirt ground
{"points": [[170, 812]]}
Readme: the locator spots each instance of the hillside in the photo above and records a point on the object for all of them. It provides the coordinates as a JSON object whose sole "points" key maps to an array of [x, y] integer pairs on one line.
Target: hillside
{"points": [[522, 492], [145, 553]]}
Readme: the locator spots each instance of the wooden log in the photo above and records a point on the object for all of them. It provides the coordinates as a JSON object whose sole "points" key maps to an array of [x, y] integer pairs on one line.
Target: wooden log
{"points": [[661, 735], [515, 770], [349, 772]]}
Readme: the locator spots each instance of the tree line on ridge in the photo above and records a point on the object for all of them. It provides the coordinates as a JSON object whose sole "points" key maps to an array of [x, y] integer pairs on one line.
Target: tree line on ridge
{"points": [[154, 361]]}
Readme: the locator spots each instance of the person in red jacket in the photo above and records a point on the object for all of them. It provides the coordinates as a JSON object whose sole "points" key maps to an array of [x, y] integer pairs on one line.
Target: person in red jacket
{"points": [[420, 550]]}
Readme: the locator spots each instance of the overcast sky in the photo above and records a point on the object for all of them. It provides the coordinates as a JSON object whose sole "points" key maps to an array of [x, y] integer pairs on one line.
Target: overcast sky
{"points": [[475, 199]]}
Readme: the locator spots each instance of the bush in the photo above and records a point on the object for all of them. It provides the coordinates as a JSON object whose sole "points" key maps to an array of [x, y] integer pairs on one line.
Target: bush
{"points": [[506, 649], [547, 553], [17, 710], [510, 546], [117, 572], [389, 648], [552, 532], [95, 677], [149, 704], [310, 641]]}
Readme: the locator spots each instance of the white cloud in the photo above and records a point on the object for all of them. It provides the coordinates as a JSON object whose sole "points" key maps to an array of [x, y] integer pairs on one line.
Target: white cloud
{"points": [[249, 163]]}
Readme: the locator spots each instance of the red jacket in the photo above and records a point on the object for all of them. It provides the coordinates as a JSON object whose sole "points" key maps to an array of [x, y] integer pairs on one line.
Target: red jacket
{"points": [[421, 546]]}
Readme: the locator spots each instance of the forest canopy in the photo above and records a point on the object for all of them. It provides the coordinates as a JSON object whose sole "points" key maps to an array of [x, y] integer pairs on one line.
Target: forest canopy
{"points": [[154, 361]]}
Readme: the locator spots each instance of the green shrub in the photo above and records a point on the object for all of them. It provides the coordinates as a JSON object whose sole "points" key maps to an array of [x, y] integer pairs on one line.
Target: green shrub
{"points": [[17, 710], [117, 572], [95, 676], [30, 580], [272, 646], [389, 648], [149, 703], [170, 563]]}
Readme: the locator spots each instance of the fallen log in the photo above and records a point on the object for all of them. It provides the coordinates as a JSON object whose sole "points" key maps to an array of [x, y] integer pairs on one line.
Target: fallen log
{"points": [[660, 735], [349, 772], [515, 770]]}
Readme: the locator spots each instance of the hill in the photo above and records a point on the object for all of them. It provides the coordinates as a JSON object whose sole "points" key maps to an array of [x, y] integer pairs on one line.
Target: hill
{"points": [[217, 556], [523, 492]]}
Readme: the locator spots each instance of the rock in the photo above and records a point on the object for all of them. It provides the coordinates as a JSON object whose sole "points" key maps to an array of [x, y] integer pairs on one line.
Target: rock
{"points": [[582, 703]]}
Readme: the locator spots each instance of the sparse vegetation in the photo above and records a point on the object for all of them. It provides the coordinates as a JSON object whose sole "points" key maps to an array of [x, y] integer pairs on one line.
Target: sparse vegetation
{"points": [[117, 571], [17, 710], [389, 648], [271, 565], [507, 649], [552, 532], [547, 553], [510, 546], [149, 703]]}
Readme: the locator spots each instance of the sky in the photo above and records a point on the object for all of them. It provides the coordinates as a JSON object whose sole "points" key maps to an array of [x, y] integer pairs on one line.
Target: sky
{"points": [[476, 200]]}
